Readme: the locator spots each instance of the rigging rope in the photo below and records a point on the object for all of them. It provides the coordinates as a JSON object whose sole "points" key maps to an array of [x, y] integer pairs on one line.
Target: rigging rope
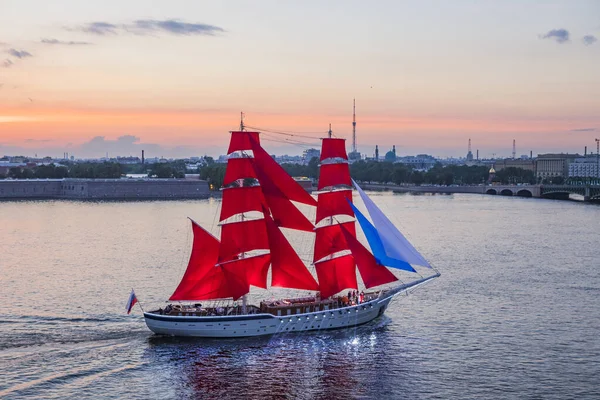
{"points": [[290, 133], [289, 141]]}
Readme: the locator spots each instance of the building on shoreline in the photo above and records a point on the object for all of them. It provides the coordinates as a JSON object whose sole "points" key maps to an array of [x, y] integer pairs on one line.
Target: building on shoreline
{"points": [[104, 189], [554, 165], [584, 167]]}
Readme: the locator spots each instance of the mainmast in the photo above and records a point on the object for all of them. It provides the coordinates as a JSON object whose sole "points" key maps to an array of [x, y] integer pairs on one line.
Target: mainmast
{"points": [[336, 271], [337, 252]]}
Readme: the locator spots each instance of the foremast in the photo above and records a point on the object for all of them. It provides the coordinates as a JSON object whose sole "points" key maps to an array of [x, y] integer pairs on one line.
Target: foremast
{"points": [[256, 203]]}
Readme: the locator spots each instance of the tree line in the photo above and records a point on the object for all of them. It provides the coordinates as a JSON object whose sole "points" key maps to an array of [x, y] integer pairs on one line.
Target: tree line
{"points": [[364, 171], [377, 172]]}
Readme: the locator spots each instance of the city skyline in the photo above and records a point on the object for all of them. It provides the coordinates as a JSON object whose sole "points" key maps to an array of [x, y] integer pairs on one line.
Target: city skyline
{"points": [[172, 78]]}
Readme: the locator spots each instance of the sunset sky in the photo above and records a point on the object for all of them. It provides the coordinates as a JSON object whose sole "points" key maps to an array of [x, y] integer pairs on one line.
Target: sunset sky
{"points": [[172, 77]]}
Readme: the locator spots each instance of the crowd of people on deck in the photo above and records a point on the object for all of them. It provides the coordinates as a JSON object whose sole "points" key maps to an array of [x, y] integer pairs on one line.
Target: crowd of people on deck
{"points": [[353, 298]]}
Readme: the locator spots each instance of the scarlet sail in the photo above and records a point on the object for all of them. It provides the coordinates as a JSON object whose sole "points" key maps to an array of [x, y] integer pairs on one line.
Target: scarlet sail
{"points": [[257, 268], [335, 275], [238, 168], [333, 148], [242, 140], [276, 174], [220, 283], [371, 272], [330, 239], [334, 175], [287, 269], [334, 203], [205, 251], [241, 237], [240, 200]]}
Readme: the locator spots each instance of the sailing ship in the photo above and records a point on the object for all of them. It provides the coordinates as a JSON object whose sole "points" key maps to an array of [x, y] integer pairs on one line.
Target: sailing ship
{"points": [[257, 203]]}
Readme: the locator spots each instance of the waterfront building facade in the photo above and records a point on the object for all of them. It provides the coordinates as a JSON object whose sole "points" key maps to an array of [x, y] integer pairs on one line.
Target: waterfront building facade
{"points": [[420, 162], [554, 165], [584, 167], [526, 164]]}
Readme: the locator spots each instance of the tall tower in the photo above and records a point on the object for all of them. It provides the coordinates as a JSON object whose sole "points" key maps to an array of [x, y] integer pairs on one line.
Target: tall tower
{"points": [[354, 154], [354, 126], [376, 153], [514, 149], [469, 152]]}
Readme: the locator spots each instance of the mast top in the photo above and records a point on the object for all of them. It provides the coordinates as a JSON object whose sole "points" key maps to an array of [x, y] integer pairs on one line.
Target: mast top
{"points": [[329, 133], [241, 121]]}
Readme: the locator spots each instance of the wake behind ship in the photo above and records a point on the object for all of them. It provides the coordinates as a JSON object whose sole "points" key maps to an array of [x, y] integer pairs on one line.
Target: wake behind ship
{"points": [[257, 203]]}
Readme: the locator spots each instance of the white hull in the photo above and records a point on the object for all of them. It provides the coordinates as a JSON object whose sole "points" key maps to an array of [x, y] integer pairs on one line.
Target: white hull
{"points": [[268, 324]]}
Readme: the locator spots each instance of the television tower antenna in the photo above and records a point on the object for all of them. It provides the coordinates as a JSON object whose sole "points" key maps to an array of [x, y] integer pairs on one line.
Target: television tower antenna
{"points": [[514, 149], [354, 127]]}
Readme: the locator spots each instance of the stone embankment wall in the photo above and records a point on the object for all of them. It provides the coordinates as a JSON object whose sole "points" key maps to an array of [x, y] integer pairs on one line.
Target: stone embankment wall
{"points": [[107, 189]]}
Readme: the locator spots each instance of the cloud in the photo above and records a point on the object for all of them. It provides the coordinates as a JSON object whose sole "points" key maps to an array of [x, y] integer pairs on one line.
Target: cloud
{"points": [[62, 42], [19, 53], [559, 35], [7, 63], [38, 140], [583, 130], [98, 28], [145, 26], [589, 40], [150, 27], [98, 146]]}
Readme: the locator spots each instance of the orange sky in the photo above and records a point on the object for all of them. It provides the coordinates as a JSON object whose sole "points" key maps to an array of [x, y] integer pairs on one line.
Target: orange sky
{"points": [[425, 78]]}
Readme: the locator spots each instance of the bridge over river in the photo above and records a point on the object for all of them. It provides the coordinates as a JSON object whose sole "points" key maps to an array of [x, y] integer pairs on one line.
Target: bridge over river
{"points": [[561, 192]]}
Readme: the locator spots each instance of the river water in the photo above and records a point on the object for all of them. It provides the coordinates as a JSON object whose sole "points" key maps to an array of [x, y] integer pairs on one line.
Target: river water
{"points": [[515, 314]]}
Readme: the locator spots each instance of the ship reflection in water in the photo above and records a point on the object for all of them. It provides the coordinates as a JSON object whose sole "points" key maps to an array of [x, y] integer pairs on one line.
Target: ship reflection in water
{"points": [[338, 364]]}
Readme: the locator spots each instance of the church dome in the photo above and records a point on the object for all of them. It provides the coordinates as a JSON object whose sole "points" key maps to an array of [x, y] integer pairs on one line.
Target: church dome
{"points": [[492, 170]]}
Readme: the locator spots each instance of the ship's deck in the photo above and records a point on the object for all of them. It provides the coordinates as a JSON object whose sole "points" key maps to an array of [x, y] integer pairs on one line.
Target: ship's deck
{"points": [[293, 306]]}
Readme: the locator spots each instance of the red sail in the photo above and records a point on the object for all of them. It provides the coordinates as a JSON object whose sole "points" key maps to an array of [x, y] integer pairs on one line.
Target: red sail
{"points": [[238, 200], [256, 267], [333, 148], [238, 168], [330, 239], [336, 275], [286, 215], [240, 237], [220, 283], [269, 168], [333, 175], [372, 273], [334, 203], [233, 278], [205, 251], [242, 141], [287, 269]]}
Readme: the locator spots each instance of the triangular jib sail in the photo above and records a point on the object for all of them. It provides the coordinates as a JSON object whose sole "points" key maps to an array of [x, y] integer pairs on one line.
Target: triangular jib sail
{"points": [[395, 244]]}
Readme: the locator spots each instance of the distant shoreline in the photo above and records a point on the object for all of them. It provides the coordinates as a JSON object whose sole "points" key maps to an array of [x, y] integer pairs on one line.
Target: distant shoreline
{"points": [[104, 189]]}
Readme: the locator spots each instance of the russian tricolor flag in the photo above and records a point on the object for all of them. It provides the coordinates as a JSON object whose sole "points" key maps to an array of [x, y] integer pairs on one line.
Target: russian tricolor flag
{"points": [[131, 302]]}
